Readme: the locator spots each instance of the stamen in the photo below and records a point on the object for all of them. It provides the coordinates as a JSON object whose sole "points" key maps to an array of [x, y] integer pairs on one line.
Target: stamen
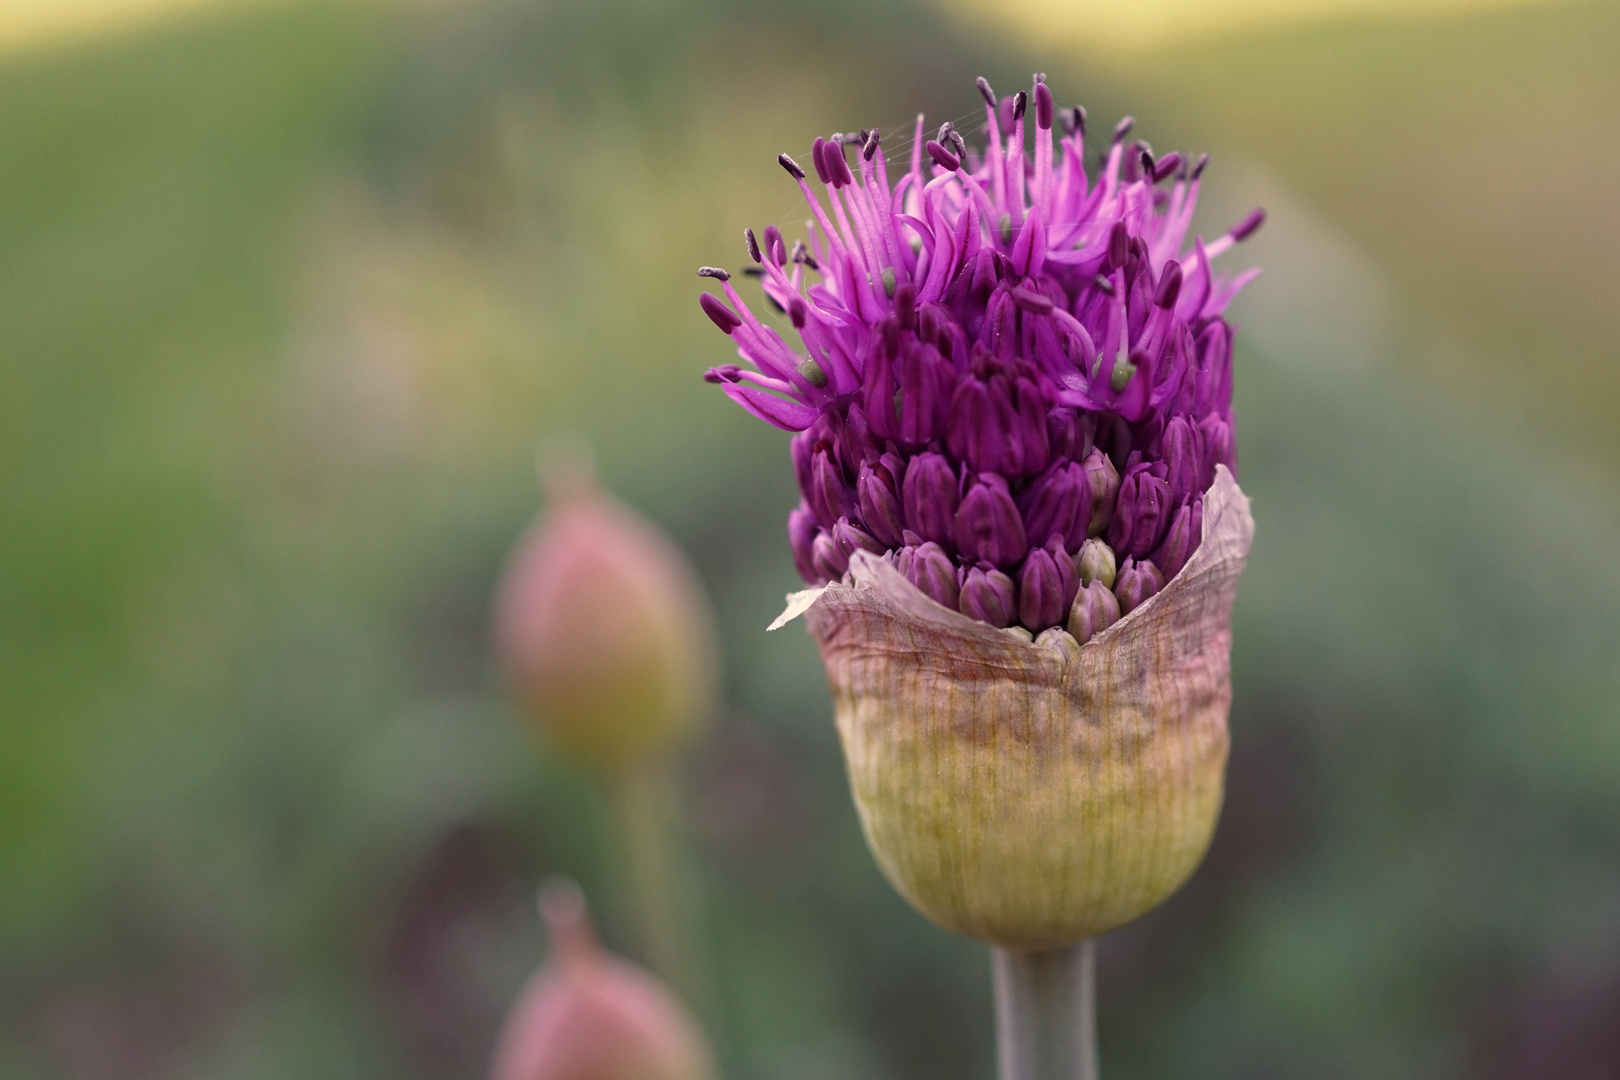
{"points": [[1246, 228], [1020, 103], [984, 88], [723, 317], [869, 147], [1167, 165], [1104, 285], [753, 245], [1043, 107], [714, 272], [1198, 169], [943, 157], [815, 159], [1080, 120], [791, 166], [1123, 128]]}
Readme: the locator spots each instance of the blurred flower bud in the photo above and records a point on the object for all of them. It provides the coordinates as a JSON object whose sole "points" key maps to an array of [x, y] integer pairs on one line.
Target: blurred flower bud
{"points": [[1102, 480], [1136, 584], [603, 628], [587, 1015], [1095, 609], [1095, 563], [1035, 794]]}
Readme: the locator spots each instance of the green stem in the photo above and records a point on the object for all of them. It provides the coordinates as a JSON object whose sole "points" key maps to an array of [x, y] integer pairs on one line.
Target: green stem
{"points": [[1046, 1013], [648, 803]]}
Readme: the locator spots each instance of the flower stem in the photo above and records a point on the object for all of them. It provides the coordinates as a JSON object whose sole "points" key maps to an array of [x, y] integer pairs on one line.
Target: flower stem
{"points": [[647, 800], [1046, 1013]]}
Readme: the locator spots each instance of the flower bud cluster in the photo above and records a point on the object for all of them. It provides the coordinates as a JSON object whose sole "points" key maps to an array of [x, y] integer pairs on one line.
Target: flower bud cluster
{"points": [[1003, 360]]}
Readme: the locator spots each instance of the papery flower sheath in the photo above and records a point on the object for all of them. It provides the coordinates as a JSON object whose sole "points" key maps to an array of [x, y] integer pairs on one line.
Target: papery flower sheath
{"points": [[997, 354], [1019, 509]]}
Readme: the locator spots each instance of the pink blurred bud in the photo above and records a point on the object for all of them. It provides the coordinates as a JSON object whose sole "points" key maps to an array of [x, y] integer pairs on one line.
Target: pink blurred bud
{"points": [[587, 1015], [603, 628]]}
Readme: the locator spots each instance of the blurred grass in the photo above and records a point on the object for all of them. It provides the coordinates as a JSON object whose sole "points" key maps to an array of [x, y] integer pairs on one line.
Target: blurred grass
{"points": [[288, 297]]}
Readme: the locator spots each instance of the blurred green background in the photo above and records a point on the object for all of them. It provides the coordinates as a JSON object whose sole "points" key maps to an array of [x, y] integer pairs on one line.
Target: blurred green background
{"points": [[290, 292]]}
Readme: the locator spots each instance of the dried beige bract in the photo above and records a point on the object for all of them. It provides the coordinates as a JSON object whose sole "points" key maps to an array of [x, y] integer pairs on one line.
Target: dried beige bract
{"points": [[1033, 795]]}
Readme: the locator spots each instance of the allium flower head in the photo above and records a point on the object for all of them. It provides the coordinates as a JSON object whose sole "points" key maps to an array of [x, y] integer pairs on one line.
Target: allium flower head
{"points": [[998, 356], [1013, 417]]}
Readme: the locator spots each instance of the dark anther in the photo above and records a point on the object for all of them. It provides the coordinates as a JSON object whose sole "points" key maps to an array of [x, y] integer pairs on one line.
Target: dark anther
{"points": [[753, 245], [984, 88], [714, 272], [1147, 162], [942, 157], [958, 144], [1020, 103], [1198, 169], [1123, 128], [1080, 120], [1246, 228], [945, 130], [871, 145], [791, 166], [1103, 284]]}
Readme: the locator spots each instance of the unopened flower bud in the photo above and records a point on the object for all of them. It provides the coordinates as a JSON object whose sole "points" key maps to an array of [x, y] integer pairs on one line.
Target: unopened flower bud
{"points": [[603, 628], [1070, 433], [1095, 563], [829, 495], [1181, 539], [1136, 584], [987, 595], [1094, 610], [1057, 501], [802, 529], [928, 567], [1141, 514], [1182, 450], [1046, 587], [1102, 480], [988, 525], [587, 1015], [928, 497], [878, 491], [851, 538], [829, 562]]}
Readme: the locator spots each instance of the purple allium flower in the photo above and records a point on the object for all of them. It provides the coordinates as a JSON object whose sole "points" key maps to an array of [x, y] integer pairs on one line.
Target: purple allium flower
{"points": [[995, 350]]}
